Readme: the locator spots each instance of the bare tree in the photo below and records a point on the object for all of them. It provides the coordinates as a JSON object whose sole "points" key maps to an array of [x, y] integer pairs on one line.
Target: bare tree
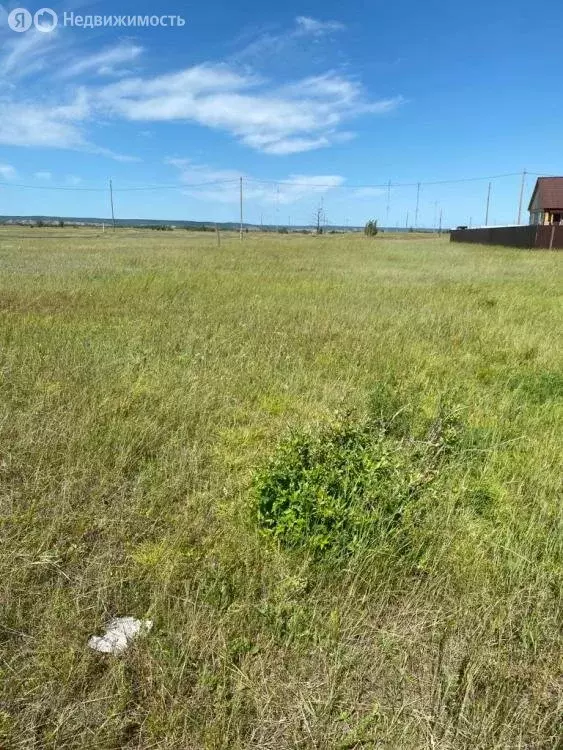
{"points": [[320, 217]]}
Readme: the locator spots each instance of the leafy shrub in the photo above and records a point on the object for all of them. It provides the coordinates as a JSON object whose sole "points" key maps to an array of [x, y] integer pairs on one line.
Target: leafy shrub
{"points": [[370, 229], [352, 481]]}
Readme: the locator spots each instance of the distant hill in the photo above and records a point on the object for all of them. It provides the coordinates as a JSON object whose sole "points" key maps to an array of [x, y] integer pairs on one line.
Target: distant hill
{"points": [[228, 226], [98, 222], [152, 223]]}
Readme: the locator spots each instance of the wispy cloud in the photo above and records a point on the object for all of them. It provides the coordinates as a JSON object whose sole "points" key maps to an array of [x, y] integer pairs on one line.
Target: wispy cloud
{"points": [[50, 116], [111, 154], [274, 43], [45, 176], [308, 113], [7, 172], [30, 124], [199, 182], [39, 125], [109, 62], [303, 116], [26, 54], [306, 25], [57, 54]]}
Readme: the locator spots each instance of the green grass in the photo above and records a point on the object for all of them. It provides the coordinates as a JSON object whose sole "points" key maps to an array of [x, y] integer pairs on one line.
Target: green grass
{"points": [[145, 382]]}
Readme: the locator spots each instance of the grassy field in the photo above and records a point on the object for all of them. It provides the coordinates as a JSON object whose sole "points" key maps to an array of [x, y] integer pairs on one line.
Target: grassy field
{"points": [[147, 379]]}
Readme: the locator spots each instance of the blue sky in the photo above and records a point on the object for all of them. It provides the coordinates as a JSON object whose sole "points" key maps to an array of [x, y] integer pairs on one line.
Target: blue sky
{"points": [[305, 100]]}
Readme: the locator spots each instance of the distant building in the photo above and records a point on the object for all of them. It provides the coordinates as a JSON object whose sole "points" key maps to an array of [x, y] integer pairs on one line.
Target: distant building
{"points": [[546, 206]]}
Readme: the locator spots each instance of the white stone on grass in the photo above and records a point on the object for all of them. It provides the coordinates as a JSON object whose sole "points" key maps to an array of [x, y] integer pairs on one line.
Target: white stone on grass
{"points": [[119, 634]]}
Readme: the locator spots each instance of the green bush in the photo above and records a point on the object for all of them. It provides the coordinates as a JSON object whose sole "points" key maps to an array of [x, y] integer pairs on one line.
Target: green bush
{"points": [[354, 481]]}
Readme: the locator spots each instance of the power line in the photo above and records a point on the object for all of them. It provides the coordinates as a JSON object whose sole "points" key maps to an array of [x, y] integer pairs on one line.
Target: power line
{"points": [[254, 180], [241, 214], [291, 183], [231, 183], [187, 186], [112, 208], [52, 187], [488, 204], [417, 205], [522, 188]]}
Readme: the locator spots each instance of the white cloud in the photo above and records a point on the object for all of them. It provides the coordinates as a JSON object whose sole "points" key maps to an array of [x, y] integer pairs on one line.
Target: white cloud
{"points": [[111, 154], [43, 176], [43, 126], [298, 187], [105, 63], [307, 114], [7, 172], [312, 26], [36, 125], [284, 146], [199, 178], [26, 54], [289, 119], [269, 44], [43, 120], [343, 90], [199, 79], [35, 53]]}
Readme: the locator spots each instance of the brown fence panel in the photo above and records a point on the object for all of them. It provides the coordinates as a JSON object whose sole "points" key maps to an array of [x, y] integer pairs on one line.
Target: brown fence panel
{"points": [[509, 236], [550, 238]]}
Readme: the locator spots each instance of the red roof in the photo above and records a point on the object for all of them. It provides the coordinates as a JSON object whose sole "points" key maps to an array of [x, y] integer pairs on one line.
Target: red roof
{"points": [[550, 193]]}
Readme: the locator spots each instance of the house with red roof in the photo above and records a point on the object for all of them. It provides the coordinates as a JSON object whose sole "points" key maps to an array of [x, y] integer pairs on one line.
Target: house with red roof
{"points": [[546, 206]]}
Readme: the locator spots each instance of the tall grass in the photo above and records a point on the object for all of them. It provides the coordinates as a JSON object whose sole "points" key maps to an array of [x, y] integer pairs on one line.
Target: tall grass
{"points": [[145, 381]]}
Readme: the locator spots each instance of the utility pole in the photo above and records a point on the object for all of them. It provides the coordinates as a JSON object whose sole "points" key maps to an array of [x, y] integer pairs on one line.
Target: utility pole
{"points": [[441, 214], [407, 221], [320, 217], [241, 216], [522, 188], [435, 214], [111, 200], [417, 205], [388, 204], [488, 204]]}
